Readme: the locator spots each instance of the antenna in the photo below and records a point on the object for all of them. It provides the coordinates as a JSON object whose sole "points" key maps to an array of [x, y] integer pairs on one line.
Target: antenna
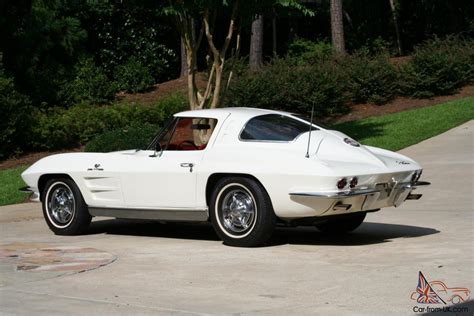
{"points": [[310, 128]]}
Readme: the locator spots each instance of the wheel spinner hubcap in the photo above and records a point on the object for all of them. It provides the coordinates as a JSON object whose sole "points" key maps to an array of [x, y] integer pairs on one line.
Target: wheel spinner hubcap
{"points": [[238, 210], [61, 204]]}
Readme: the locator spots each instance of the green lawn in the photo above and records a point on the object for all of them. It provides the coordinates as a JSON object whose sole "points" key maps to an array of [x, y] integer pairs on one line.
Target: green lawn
{"points": [[400, 130], [393, 132], [10, 182]]}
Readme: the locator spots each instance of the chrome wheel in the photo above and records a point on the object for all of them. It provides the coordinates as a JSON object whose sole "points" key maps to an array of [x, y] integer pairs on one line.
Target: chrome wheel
{"points": [[238, 210], [61, 204]]}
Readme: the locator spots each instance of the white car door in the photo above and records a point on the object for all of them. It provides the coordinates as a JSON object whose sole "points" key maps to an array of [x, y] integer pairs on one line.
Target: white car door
{"points": [[164, 182], [166, 179]]}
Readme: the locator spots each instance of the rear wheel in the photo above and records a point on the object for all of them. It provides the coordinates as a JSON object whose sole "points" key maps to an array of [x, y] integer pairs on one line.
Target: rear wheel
{"points": [[64, 208], [342, 225], [241, 212]]}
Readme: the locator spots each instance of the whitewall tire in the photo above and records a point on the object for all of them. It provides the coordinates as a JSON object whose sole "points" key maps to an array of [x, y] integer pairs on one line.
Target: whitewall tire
{"points": [[241, 212], [64, 208]]}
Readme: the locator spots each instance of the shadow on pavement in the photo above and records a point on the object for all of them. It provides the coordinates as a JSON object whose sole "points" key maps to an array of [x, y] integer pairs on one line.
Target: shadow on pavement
{"points": [[145, 228], [368, 233]]}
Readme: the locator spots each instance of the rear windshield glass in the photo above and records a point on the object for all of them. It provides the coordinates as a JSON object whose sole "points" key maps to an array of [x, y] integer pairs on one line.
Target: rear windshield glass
{"points": [[273, 127]]}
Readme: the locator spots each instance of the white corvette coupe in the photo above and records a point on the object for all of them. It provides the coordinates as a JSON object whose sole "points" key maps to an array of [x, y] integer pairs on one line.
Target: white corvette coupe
{"points": [[245, 170]]}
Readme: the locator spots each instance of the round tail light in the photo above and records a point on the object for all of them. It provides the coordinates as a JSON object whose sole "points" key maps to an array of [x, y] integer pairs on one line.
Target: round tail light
{"points": [[353, 182], [341, 183]]}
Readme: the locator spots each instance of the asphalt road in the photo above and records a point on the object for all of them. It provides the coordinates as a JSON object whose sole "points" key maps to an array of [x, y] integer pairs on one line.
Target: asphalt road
{"points": [[139, 267]]}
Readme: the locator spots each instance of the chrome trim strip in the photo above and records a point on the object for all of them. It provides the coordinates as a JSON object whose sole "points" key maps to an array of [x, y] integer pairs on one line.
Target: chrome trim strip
{"points": [[198, 215], [337, 195]]}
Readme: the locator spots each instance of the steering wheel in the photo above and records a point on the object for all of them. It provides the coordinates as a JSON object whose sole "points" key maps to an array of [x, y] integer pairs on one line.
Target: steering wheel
{"points": [[189, 142]]}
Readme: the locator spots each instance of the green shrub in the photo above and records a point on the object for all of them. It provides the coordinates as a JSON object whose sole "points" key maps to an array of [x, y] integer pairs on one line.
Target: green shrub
{"points": [[89, 85], [65, 128], [17, 118], [133, 137], [286, 86], [439, 67], [133, 76], [53, 130], [375, 47], [370, 79], [306, 51]]}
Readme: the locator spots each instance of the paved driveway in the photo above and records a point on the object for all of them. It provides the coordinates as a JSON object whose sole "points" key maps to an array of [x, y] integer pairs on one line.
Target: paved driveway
{"points": [[125, 267]]}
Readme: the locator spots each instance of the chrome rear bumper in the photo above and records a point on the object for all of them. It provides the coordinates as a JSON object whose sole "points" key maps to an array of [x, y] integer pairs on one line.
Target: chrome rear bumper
{"points": [[338, 194], [357, 192], [357, 200]]}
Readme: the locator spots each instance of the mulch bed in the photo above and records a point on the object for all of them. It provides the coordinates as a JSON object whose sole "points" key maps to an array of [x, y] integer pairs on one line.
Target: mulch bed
{"points": [[361, 111]]}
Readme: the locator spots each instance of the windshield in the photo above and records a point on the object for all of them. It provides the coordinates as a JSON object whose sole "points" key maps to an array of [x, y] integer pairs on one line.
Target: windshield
{"points": [[168, 123]]}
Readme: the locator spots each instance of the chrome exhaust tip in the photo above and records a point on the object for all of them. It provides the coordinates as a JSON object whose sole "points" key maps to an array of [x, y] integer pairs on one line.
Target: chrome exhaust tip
{"points": [[414, 196], [341, 207]]}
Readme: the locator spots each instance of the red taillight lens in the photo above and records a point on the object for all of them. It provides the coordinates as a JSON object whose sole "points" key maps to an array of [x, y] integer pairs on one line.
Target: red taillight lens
{"points": [[353, 182], [341, 183]]}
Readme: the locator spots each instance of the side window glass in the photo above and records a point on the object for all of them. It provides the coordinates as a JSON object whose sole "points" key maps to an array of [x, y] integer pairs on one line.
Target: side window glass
{"points": [[190, 134], [273, 127]]}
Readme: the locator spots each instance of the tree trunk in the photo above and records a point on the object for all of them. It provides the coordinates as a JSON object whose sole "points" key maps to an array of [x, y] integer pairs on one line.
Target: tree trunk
{"points": [[211, 96], [219, 56], [397, 27], [184, 63], [256, 43], [337, 27], [274, 34]]}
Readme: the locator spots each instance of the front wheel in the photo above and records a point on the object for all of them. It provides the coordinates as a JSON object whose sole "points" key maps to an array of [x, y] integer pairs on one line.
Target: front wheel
{"points": [[342, 225], [241, 212], [64, 208]]}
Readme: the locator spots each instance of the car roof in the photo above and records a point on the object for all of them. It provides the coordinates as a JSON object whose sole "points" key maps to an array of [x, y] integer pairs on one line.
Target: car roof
{"points": [[242, 112]]}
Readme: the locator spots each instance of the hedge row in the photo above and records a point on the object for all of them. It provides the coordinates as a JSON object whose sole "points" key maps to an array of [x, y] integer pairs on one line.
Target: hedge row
{"points": [[58, 128], [296, 83], [132, 137]]}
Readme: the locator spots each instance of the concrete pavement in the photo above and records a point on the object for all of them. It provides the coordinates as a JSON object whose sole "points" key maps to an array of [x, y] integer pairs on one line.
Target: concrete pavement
{"points": [[184, 269]]}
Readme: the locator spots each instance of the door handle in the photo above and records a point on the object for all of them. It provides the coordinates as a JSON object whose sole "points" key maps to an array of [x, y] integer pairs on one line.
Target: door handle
{"points": [[189, 165]]}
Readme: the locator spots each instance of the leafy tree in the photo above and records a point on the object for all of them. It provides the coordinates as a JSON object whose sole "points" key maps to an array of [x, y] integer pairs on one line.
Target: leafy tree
{"points": [[42, 47], [119, 30], [206, 12]]}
